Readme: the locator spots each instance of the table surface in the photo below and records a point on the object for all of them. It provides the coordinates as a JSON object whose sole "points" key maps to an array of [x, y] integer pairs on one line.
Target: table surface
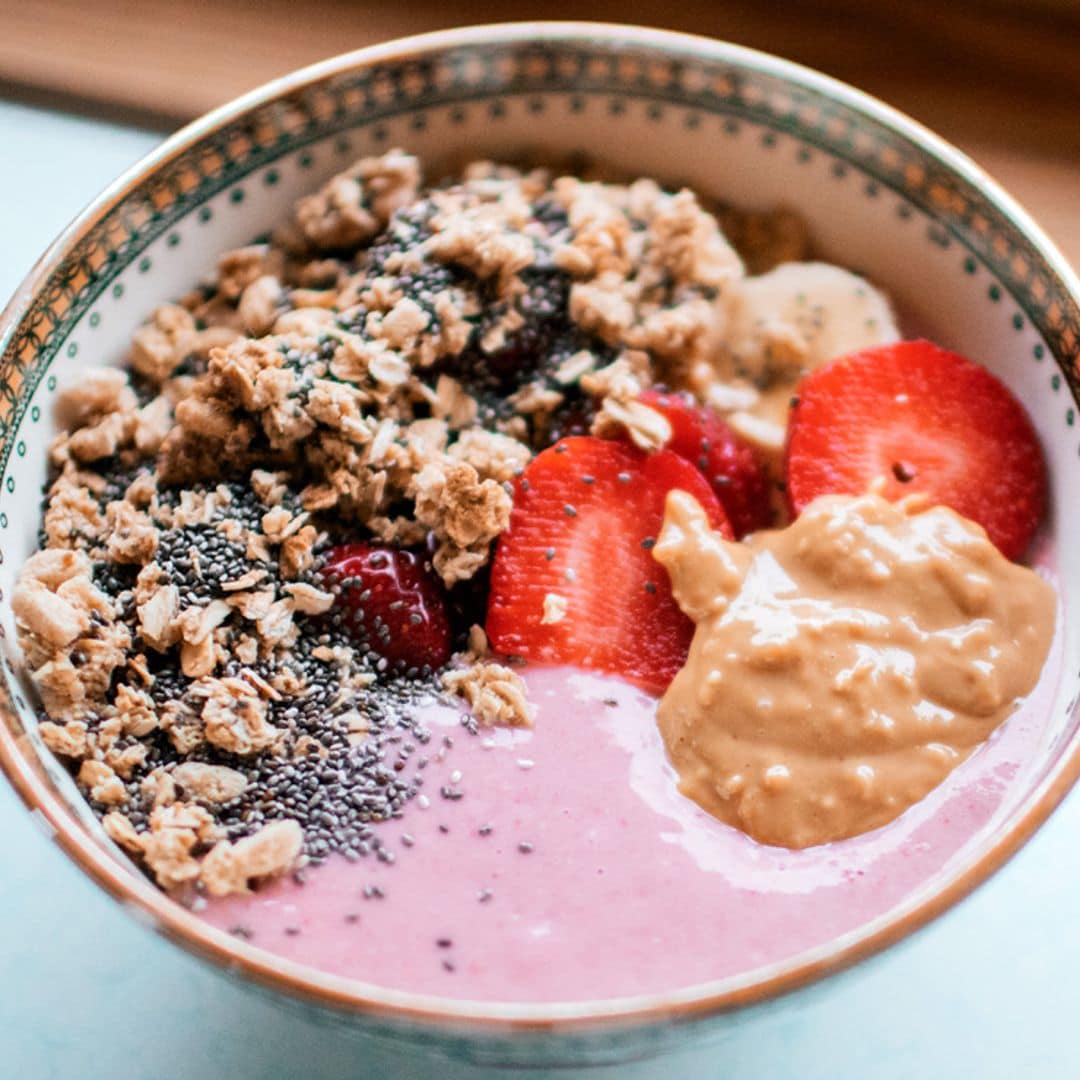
{"points": [[992, 72], [989, 990]]}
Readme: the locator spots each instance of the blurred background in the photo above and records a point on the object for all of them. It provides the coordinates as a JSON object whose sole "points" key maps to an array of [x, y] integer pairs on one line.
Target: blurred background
{"points": [[999, 77]]}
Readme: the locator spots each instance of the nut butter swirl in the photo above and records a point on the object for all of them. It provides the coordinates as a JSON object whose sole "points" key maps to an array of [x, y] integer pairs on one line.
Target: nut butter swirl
{"points": [[843, 666]]}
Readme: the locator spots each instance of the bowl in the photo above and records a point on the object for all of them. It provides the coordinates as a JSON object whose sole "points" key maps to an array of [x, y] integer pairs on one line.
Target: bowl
{"points": [[881, 194]]}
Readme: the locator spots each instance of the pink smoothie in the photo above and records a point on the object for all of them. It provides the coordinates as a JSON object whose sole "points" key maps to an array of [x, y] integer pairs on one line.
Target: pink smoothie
{"points": [[571, 868]]}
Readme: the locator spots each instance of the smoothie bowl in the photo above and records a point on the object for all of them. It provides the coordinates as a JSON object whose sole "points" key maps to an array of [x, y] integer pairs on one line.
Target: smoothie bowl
{"points": [[506, 487]]}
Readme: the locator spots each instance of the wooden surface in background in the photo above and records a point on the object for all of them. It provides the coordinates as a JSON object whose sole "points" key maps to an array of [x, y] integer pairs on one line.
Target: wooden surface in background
{"points": [[998, 77]]}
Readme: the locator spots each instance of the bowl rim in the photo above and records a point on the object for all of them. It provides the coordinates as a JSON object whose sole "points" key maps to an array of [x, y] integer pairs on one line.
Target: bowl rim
{"points": [[352, 996]]}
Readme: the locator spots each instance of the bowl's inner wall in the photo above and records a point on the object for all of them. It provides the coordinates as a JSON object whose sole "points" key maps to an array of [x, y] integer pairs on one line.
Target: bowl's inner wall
{"points": [[875, 202]]}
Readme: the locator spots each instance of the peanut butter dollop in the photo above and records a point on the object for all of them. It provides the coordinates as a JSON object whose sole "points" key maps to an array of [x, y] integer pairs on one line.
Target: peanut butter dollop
{"points": [[843, 666]]}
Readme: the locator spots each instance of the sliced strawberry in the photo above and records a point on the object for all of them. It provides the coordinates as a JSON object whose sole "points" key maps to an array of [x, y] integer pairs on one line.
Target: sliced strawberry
{"points": [[729, 464], [578, 548], [390, 602], [920, 419]]}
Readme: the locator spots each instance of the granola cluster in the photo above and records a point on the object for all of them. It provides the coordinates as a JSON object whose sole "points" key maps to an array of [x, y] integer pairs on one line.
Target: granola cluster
{"points": [[380, 369]]}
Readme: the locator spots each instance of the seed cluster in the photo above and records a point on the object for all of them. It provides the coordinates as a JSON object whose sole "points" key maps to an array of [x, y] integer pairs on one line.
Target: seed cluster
{"points": [[352, 754], [200, 559], [532, 353], [338, 797]]}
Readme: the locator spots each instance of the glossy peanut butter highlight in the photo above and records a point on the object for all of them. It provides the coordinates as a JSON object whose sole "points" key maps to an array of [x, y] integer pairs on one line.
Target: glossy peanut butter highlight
{"points": [[843, 666]]}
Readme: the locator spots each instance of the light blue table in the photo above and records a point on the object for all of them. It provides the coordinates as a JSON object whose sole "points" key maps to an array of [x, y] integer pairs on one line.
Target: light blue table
{"points": [[990, 990]]}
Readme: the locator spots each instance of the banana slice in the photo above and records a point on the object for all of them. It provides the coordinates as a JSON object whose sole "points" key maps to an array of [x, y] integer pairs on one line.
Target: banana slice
{"points": [[800, 315], [785, 323]]}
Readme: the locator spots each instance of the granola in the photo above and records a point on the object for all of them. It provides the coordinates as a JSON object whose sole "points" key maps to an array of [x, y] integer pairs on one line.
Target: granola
{"points": [[382, 368]]}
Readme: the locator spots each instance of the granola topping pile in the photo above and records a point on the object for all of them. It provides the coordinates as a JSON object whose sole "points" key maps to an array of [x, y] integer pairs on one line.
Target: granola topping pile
{"points": [[379, 370]]}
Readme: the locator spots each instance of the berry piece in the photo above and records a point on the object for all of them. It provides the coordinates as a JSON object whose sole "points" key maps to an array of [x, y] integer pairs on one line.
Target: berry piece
{"points": [[390, 602], [574, 580], [917, 418], [729, 464]]}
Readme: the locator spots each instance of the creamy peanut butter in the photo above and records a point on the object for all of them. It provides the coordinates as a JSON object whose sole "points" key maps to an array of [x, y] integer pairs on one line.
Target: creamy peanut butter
{"points": [[843, 666]]}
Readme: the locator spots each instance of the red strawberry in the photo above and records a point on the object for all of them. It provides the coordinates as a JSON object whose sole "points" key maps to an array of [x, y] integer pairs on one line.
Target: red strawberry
{"points": [[729, 464], [391, 603], [586, 514], [923, 419]]}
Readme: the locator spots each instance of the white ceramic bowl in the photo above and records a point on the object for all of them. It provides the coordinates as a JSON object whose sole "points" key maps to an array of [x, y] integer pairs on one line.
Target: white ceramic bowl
{"points": [[881, 194]]}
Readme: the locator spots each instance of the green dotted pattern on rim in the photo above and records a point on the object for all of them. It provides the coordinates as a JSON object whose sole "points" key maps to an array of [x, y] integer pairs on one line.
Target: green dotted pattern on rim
{"points": [[630, 75]]}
